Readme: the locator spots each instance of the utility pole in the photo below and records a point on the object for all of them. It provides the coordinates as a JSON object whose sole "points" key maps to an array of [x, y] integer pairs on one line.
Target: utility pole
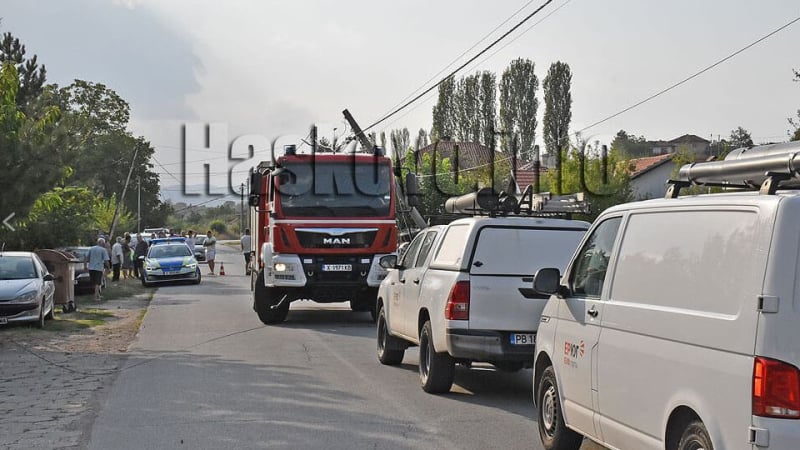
{"points": [[139, 205], [241, 210], [122, 197]]}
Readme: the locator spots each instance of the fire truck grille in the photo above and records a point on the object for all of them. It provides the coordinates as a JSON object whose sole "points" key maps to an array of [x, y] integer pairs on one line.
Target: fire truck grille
{"points": [[322, 239]]}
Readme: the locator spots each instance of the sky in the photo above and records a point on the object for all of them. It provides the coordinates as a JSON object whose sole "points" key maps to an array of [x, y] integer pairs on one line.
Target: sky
{"points": [[270, 68]]}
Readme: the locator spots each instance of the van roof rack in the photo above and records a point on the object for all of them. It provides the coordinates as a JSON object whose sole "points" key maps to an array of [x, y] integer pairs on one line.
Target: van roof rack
{"points": [[488, 202], [763, 167]]}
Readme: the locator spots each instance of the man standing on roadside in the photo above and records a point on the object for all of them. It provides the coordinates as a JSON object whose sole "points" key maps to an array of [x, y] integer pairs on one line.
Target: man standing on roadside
{"points": [[211, 250], [139, 250], [246, 240], [96, 261], [191, 240], [116, 259]]}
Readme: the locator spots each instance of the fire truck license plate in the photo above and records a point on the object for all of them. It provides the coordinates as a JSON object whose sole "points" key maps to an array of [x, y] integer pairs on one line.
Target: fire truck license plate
{"points": [[522, 339], [337, 267]]}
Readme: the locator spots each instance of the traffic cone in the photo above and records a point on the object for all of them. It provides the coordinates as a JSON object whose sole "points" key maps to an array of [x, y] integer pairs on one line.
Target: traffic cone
{"points": [[222, 269]]}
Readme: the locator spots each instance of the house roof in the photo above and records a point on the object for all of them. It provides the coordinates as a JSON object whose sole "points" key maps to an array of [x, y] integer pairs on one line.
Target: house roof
{"points": [[470, 154], [640, 166], [689, 139], [525, 173]]}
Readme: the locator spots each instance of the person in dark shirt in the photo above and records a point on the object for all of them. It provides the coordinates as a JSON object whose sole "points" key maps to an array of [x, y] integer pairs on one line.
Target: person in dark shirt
{"points": [[139, 250]]}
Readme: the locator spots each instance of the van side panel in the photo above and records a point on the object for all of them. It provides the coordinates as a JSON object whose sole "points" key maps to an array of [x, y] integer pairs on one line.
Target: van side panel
{"points": [[679, 327], [779, 333]]}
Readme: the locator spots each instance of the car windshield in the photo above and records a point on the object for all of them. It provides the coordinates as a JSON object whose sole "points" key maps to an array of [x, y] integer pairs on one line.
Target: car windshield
{"points": [[16, 268], [169, 251], [200, 240]]}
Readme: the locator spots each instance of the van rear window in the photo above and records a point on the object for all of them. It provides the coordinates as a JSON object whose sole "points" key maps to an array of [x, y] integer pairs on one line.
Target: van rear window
{"points": [[694, 260], [523, 251]]}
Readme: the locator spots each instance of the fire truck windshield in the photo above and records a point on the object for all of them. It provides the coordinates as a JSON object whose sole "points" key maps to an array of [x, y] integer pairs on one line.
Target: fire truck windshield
{"points": [[335, 189]]}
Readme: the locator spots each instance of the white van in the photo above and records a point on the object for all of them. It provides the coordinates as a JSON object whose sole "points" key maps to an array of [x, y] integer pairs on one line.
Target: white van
{"points": [[677, 323]]}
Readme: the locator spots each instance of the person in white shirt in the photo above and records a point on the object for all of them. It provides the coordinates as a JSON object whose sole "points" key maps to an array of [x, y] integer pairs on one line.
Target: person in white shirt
{"points": [[116, 258], [191, 240], [246, 241]]}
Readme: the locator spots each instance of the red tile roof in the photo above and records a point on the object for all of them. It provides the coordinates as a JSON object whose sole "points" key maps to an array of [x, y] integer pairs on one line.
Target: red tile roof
{"points": [[640, 166]]}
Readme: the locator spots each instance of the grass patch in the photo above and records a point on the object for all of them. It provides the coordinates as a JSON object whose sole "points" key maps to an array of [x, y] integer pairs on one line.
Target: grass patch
{"points": [[81, 319], [124, 289]]}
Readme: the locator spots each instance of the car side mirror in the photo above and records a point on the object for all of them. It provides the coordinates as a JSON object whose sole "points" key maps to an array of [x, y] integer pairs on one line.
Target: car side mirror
{"points": [[388, 262], [48, 277], [548, 281]]}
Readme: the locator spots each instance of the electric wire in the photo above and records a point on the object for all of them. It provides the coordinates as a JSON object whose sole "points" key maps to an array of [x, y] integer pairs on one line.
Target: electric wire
{"points": [[458, 69], [460, 56], [690, 77]]}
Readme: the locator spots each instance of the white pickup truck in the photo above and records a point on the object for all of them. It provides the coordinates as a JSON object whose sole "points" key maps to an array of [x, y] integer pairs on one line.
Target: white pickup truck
{"points": [[462, 292]]}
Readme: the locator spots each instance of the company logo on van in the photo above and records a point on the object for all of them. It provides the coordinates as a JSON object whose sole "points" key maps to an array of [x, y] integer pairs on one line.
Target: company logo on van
{"points": [[574, 350]]}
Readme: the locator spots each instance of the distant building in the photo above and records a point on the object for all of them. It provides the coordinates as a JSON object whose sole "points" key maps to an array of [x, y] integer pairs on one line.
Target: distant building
{"points": [[662, 147], [649, 176], [696, 145]]}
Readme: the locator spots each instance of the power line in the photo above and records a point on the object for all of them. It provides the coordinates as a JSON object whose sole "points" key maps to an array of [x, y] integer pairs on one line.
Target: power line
{"points": [[478, 55], [491, 55], [690, 77], [165, 169], [460, 56]]}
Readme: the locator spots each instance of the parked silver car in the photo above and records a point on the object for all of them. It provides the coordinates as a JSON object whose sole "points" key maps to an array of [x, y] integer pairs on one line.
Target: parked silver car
{"points": [[26, 289]]}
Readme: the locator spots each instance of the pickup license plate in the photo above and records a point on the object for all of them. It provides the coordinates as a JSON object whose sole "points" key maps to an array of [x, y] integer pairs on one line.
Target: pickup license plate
{"points": [[337, 267], [3, 320], [523, 339]]}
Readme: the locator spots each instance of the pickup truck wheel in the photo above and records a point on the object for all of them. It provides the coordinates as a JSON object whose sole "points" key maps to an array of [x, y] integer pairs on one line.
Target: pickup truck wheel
{"points": [[436, 370], [265, 298], [387, 344], [695, 437], [554, 433]]}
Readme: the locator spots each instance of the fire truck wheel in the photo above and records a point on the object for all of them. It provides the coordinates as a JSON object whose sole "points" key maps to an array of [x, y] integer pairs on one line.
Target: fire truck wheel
{"points": [[264, 300]]}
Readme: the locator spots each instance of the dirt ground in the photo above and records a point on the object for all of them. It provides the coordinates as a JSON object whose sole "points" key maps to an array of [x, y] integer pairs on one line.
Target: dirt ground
{"points": [[108, 326]]}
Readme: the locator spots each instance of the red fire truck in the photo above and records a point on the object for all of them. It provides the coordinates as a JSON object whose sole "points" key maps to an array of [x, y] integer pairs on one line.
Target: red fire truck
{"points": [[320, 223]]}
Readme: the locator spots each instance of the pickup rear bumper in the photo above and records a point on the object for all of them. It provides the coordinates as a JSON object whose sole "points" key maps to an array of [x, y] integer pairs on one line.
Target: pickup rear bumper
{"points": [[486, 346]]}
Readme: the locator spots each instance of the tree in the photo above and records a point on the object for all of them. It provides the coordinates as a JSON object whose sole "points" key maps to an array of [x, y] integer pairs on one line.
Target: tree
{"points": [[740, 138], [444, 111], [103, 215], [518, 105], [32, 165], [401, 141], [31, 75], [630, 146], [557, 110], [578, 164], [63, 216], [468, 109], [422, 139], [488, 108]]}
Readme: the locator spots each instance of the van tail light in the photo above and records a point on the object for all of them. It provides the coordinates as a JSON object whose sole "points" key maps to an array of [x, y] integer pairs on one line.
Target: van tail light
{"points": [[457, 307], [776, 389]]}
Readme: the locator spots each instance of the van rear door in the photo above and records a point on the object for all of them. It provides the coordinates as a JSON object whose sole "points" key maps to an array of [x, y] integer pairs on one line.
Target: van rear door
{"points": [[502, 266]]}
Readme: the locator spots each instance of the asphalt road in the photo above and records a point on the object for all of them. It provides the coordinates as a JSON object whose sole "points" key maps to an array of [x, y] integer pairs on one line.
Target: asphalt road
{"points": [[206, 374]]}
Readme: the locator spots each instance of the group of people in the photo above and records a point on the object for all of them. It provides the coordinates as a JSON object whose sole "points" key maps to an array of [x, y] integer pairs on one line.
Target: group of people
{"points": [[125, 257]]}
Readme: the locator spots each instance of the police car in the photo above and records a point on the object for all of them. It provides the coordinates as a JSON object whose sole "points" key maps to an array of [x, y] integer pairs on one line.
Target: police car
{"points": [[170, 259]]}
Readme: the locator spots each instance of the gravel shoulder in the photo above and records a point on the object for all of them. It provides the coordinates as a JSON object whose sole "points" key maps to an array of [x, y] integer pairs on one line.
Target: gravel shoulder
{"points": [[52, 380]]}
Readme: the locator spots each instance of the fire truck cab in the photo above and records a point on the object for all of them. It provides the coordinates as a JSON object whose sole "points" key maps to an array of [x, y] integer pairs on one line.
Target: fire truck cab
{"points": [[321, 222]]}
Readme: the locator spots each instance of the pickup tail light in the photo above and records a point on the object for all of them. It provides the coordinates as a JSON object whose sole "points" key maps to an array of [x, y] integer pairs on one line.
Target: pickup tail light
{"points": [[457, 307], [776, 389]]}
